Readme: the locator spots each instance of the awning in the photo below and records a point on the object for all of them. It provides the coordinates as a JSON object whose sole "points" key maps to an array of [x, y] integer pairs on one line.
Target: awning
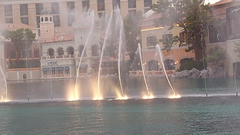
{"points": [[66, 68], [82, 66], [52, 68], [59, 68], [44, 69]]}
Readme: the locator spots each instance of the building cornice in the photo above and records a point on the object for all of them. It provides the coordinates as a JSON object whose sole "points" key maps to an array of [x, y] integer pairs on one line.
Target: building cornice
{"points": [[6, 2]]}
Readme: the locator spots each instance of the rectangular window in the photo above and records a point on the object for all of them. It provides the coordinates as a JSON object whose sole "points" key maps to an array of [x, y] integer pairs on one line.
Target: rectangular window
{"points": [[55, 8], [36, 53], [101, 5], [24, 20], [116, 3], [23, 9], [167, 37], [8, 20], [71, 7], [30, 54], [39, 8], [85, 5], [38, 21], [183, 37], [71, 19], [131, 3], [147, 3], [8, 10], [12, 55], [56, 21], [24, 54]]}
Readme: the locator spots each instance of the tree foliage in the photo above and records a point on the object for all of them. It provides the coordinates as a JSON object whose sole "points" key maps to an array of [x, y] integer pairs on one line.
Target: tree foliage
{"points": [[132, 33], [216, 55], [22, 38], [169, 42], [192, 15], [237, 48]]}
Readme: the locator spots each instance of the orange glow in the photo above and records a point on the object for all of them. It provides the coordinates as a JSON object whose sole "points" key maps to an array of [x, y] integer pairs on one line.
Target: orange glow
{"points": [[155, 28], [98, 98], [148, 97], [122, 98], [72, 99], [174, 96], [72, 94]]}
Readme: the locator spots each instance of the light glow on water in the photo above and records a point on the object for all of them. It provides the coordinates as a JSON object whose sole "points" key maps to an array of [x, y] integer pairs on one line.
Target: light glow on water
{"points": [[122, 98], [73, 99], [174, 96], [98, 98], [148, 97]]}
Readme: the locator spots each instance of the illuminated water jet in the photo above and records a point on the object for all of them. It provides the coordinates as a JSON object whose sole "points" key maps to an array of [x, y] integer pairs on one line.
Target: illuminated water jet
{"points": [[91, 17], [164, 70], [143, 69], [103, 47]]}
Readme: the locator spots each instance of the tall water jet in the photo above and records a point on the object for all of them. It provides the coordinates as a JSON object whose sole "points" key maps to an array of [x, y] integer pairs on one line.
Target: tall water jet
{"points": [[235, 76], [91, 19], [5, 84], [143, 69], [103, 47], [164, 70], [119, 53]]}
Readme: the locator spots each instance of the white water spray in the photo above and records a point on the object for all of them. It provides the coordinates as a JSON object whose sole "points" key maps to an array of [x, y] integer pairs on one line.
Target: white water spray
{"points": [[4, 77], [164, 70], [84, 48], [103, 47], [119, 56], [143, 69]]}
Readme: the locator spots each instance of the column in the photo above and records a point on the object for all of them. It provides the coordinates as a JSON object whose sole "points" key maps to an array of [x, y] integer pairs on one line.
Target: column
{"points": [[140, 5], [124, 8], [108, 6], [63, 14], [32, 15], [78, 9], [2, 15], [93, 6], [16, 14]]}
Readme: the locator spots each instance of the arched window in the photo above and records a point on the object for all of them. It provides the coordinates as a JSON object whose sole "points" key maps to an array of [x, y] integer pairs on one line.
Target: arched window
{"points": [[24, 76], [185, 60], [50, 52], [94, 50], [70, 50], [46, 18], [60, 51], [50, 18], [81, 47], [153, 65], [169, 64], [42, 19], [151, 40]]}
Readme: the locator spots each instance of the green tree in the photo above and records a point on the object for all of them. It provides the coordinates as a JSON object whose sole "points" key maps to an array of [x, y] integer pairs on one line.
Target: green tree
{"points": [[237, 48], [169, 42], [216, 55], [22, 39], [132, 31], [192, 15]]}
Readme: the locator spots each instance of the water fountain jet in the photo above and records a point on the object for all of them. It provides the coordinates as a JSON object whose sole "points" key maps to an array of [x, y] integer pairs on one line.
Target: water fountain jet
{"points": [[164, 70], [143, 69]]}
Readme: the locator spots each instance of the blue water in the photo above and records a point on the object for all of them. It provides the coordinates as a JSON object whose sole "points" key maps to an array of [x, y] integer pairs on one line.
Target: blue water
{"points": [[192, 115]]}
